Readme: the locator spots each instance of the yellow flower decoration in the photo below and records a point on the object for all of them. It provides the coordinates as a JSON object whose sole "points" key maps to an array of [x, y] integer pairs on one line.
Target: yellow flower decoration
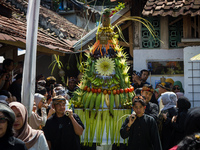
{"points": [[105, 66]]}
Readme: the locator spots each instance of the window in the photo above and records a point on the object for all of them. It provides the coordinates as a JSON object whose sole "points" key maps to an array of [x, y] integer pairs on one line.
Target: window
{"points": [[165, 67], [147, 39], [175, 32]]}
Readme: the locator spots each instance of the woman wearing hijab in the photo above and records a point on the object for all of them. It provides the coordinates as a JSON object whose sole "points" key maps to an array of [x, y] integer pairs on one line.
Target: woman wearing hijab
{"points": [[178, 87], [34, 139], [7, 140], [183, 104], [169, 110]]}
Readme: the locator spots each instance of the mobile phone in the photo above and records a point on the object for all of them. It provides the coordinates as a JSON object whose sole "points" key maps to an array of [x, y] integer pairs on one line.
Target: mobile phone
{"points": [[133, 114], [136, 73]]}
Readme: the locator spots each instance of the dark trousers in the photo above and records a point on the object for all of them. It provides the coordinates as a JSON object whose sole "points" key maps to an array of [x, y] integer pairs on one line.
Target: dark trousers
{"points": [[121, 147]]}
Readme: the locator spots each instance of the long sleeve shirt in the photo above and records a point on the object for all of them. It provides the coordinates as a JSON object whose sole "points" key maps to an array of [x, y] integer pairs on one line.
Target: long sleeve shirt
{"points": [[178, 127], [35, 121], [143, 134]]}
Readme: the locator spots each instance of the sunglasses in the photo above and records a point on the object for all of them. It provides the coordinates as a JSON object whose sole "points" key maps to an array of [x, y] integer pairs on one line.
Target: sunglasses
{"points": [[137, 98], [176, 88], [3, 119]]}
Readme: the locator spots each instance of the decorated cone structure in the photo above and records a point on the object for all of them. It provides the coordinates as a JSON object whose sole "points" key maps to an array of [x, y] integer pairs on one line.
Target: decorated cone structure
{"points": [[104, 95]]}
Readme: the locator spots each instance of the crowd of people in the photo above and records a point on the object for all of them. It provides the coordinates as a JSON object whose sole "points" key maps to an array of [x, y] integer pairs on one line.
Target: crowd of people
{"points": [[171, 123], [52, 124], [161, 118]]}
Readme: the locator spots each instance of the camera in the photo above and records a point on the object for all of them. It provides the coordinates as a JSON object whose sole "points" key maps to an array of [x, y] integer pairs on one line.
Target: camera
{"points": [[136, 73], [43, 100], [67, 113]]}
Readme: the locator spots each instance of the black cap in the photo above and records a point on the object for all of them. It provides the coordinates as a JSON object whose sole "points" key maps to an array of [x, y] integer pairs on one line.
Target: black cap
{"points": [[6, 109]]}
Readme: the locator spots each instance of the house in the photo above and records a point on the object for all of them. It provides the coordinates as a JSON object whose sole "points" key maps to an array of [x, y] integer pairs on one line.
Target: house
{"points": [[56, 35], [177, 24], [78, 13], [84, 16]]}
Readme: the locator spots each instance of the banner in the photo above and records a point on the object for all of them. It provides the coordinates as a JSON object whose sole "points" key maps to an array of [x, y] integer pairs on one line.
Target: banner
{"points": [[29, 70]]}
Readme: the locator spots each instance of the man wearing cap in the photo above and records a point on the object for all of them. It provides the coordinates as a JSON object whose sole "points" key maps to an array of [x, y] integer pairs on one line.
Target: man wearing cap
{"points": [[170, 81], [151, 108], [62, 129]]}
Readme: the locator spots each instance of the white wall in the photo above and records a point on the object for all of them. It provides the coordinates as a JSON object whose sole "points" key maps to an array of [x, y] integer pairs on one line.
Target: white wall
{"points": [[189, 52], [141, 57]]}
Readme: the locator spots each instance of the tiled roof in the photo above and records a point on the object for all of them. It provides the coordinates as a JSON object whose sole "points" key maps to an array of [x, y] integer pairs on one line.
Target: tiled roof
{"points": [[14, 30], [54, 33], [68, 29], [8, 5], [172, 8]]}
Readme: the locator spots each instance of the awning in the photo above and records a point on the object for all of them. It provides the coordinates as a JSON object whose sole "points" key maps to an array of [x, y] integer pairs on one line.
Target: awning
{"points": [[195, 58]]}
